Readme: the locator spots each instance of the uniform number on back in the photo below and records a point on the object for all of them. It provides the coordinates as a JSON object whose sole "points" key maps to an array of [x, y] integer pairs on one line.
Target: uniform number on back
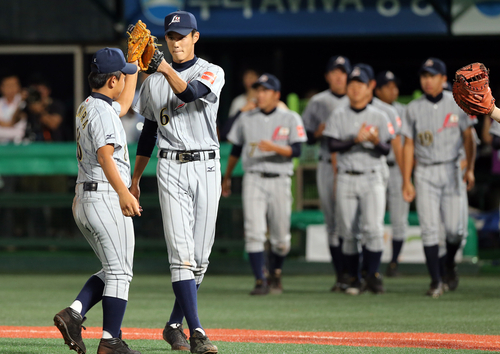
{"points": [[79, 153], [425, 138], [164, 117]]}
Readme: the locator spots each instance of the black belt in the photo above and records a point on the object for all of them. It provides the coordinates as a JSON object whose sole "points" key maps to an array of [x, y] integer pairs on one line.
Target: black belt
{"points": [[391, 163], [90, 186], [188, 156], [268, 175], [357, 173], [326, 160]]}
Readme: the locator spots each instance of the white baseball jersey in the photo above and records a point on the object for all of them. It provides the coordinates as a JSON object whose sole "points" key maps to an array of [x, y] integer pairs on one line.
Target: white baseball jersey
{"points": [[319, 108], [394, 118], [282, 127], [98, 124], [183, 126], [344, 124]]}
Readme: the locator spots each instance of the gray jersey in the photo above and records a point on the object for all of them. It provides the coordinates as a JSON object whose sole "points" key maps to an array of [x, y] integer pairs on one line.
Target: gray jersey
{"points": [[344, 124], [319, 108], [282, 127], [494, 128], [394, 117], [436, 128], [98, 124], [183, 126]]}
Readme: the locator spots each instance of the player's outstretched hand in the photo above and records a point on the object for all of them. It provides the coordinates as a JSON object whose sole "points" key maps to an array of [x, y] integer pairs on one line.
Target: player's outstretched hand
{"points": [[408, 192], [226, 187], [129, 204], [469, 179]]}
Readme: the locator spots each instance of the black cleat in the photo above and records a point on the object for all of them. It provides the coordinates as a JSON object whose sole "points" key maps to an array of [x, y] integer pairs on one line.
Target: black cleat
{"points": [[114, 346], [274, 281], [356, 287], [451, 278], [392, 270], [175, 337], [374, 284], [200, 344], [435, 290], [260, 288], [69, 323]]}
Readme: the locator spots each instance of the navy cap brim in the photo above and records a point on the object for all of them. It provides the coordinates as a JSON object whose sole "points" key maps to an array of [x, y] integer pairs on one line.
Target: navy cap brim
{"points": [[182, 31], [430, 71], [129, 69], [263, 84]]}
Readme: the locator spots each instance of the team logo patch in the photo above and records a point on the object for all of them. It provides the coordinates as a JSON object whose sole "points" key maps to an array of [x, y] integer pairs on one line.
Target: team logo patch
{"points": [[300, 131], [281, 133], [180, 106], [451, 121], [175, 19], [210, 77], [399, 122], [390, 128]]}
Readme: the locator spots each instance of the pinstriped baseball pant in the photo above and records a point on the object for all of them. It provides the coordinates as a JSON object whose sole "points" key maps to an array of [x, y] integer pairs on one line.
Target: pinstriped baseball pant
{"points": [[439, 199], [110, 234], [325, 179], [398, 208], [360, 211], [267, 202], [189, 199]]}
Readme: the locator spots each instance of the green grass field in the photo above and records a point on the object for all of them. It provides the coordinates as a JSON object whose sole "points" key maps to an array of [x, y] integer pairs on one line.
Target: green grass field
{"points": [[306, 305]]}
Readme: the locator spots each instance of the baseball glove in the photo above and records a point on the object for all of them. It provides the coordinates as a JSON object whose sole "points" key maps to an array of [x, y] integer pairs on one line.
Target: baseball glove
{"points": [[139, 37], [471, 89], [151, 58]]}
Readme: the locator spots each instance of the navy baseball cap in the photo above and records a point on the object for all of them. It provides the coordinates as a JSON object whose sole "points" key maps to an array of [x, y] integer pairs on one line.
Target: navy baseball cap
{"points": [[368, 69], [109, 60], [434, 66], [182, 22], [268, 81], [339, 61], [385, 77], [359, 74]]}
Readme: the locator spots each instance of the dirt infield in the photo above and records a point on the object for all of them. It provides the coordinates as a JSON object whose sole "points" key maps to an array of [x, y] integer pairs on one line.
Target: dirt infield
{"points": [[359, 339]]}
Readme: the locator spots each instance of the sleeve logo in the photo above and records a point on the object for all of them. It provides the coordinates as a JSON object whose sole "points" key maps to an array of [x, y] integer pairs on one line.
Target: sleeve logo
{"points": [[210, 77], [390, 128], [398, 122], [300, 131]]}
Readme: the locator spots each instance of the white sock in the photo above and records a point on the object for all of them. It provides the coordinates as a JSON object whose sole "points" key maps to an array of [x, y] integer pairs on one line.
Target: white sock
{"points": [[200, 330], [106, 335], [175, 325], [77, 306]]}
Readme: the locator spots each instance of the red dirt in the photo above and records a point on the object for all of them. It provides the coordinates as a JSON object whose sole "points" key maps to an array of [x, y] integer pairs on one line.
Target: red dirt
{"points": [[359, 339]]}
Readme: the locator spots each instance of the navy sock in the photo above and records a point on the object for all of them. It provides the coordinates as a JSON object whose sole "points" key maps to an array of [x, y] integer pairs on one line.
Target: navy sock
{"points": [[337, 259], [113, 310], [396, 250], [451, 252], [352, 265], [186, 294], [442, 268], [177, 315], [257, 263], [364, 260], [91, 293], [432, 261], [276, 262], [372, 261]]}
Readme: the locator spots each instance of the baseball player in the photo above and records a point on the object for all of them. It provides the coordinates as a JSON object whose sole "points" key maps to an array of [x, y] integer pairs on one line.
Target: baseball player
{"points": [[319, 108], [360, 133], [180, 103], [435, 131], [266, 138], [103, 205], [387, 91]]}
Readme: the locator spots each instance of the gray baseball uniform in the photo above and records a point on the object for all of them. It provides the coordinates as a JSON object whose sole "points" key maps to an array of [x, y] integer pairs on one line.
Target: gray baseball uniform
{"points": [[189, 177], [97, 212], [267, 198], [360, 193], [319, 108], [436, 129]]}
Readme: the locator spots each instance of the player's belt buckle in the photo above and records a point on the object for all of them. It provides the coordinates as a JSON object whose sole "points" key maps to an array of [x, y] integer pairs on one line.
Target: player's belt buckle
{"points": [[187, 156]]}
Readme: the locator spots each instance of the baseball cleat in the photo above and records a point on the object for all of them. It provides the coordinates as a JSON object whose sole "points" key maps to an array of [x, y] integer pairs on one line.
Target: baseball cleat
{"points": [[200, 344], [69, 323], [392, 270], [342, 283], [451, 278], [374, 284], [355, 287], [274, 281], [114, 346], [174, 335], [260, 288], [435, 290]]}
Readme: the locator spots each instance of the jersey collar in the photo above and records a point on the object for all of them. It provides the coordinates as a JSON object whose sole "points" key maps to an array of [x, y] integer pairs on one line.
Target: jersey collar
{"points": [[102, 97], [183, 66], [270, 112], [358, 110], [434, 99], [336, 95]]}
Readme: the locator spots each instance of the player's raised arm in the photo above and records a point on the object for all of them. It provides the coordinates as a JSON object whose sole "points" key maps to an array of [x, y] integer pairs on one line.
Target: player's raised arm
{"points": [[470, 152], [127, 95]]}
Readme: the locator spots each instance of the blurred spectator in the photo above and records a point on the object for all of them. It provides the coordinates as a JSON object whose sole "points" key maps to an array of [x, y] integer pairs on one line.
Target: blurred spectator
{"points": [[44, 114], [12, 127], [245, 101]]}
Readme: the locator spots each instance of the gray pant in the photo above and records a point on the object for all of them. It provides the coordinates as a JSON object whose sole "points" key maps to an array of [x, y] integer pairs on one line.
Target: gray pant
{"points": [[325, 180], [267, 204], [398, 208], [110, 234]]}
